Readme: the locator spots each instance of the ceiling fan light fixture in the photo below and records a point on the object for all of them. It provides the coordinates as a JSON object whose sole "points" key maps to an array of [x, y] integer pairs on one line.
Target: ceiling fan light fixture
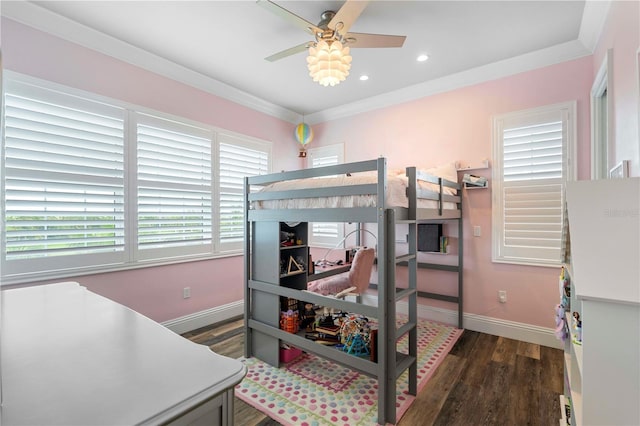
{"points": [[329, 62]]}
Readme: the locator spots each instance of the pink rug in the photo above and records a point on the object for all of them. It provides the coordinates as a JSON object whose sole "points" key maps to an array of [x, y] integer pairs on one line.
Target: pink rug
{"points": [[313, 391]]}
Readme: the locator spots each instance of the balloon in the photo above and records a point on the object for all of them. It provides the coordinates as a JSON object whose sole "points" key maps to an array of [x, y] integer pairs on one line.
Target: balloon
{"points": [[303, 134]]}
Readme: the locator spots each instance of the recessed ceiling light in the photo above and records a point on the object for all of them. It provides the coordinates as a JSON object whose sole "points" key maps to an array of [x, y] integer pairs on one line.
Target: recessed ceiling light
{"points": [[364, 77], [422, 58]]}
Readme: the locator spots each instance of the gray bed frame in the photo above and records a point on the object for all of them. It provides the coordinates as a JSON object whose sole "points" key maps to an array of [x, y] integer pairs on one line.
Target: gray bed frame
{"points": [[263, 288]]}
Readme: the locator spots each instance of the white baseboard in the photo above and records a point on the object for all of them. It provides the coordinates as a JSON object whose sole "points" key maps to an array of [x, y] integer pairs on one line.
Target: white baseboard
{"points": [[497, 327], [206, 317]]}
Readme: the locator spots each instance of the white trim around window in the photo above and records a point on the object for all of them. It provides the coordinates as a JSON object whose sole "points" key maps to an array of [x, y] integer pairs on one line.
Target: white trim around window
{"points": [[91, 184], [533, 157], [602, 129]]}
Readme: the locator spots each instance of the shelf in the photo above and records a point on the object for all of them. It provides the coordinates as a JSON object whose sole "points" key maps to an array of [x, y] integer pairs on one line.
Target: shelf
{"points": [[292, 247], [602, 371], [291, 274], [467, 186], [577, 351], [576, 407], [573, 371], [563, 415], [576, 348], [473, 166]]}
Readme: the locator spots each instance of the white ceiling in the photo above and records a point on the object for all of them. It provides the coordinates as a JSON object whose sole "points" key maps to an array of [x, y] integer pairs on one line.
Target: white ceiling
{"points": [[207, 43]]}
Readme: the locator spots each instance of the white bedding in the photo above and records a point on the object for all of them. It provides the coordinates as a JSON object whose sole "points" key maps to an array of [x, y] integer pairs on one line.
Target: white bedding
{"points": [[395, 196]]}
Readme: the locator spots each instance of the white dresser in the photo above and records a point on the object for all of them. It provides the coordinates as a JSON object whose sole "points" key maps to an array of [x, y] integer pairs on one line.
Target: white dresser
{"points": [[72, 357], [604, 371]]}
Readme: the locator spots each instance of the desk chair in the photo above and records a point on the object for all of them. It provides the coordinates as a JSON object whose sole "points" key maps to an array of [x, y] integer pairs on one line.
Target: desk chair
{"points": [[353, 282]]}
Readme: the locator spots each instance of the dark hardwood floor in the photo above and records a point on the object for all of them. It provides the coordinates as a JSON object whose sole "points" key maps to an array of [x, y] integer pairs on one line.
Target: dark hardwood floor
{"points": [[484, 380]]}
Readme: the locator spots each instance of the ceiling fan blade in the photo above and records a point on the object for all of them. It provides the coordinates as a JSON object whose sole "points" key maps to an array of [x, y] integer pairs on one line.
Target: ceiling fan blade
{"points": [[374, 40], [347, 14], [288, 52], [291, 17]]}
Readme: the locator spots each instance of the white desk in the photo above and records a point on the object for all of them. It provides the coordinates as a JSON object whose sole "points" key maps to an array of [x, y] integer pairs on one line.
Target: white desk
{"points": [[72, 357]]}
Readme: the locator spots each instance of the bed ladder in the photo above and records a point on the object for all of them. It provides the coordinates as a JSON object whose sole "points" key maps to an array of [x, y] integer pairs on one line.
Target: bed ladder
{"points": [[391, 363]]}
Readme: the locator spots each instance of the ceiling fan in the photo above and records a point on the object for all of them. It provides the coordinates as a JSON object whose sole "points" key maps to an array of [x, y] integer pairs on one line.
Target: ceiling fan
{"points": [[329, 61]]}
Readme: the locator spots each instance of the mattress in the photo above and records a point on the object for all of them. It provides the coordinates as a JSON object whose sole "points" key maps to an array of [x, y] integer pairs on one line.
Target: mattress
{"points": [[394, 197]]}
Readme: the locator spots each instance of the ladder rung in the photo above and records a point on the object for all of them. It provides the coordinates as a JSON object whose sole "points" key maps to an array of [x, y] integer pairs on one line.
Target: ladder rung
{"points": [[405, 292], [405, 257], [404, 329]]}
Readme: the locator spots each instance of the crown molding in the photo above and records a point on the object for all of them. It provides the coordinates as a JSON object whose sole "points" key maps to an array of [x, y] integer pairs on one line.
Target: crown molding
{"points": [[44, 20], [496, 70], [594, 17]]}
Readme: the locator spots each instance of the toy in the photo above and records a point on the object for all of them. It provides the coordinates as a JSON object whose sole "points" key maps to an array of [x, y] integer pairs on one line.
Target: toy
{"points": [[308, 317], [356, 345], [577, 329], [561, 328], [355, 332], [289, 321]]}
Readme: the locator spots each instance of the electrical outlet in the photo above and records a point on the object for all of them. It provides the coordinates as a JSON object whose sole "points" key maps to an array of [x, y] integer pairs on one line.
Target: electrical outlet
{"points": [[186, 292], [502, 296], [477, 231]]}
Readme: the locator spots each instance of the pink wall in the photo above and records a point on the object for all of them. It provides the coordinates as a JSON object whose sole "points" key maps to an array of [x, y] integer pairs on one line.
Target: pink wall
{"points": [[457, 126], [426, 132], [622, 34], [155, 292]]}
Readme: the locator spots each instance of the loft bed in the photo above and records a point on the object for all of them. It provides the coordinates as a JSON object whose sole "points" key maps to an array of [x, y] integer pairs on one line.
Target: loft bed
{"points": [[360, 192]]}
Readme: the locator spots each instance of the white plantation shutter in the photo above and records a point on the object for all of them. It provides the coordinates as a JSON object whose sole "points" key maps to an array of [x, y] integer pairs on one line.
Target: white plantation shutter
{"points": [[533, 152], [326, 234], [331, 159], [530, 168], [91, 184], [533, 219], [174, 188], [238, 158], [63, 181]]}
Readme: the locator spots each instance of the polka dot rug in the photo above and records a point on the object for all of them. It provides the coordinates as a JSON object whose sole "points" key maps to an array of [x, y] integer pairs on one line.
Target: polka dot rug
{"points": [[313, 391]]}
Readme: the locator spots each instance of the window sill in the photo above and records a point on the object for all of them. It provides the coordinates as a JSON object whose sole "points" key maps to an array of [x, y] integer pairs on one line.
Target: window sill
{"points": [[523, 262], [22, 279]]}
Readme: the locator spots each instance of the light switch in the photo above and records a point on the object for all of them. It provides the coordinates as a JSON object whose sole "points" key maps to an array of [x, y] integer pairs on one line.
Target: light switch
{"points": [[477, 231]]}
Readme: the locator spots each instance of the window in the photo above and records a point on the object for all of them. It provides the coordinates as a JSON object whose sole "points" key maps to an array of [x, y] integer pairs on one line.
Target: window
{"points": [[239, 157], [174, 188], [63, 181], [533, 152], [325, 234], [91, 185]]}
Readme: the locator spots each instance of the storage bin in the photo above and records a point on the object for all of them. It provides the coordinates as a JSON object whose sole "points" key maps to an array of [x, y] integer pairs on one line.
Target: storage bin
{"points": [[289, 354]]}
